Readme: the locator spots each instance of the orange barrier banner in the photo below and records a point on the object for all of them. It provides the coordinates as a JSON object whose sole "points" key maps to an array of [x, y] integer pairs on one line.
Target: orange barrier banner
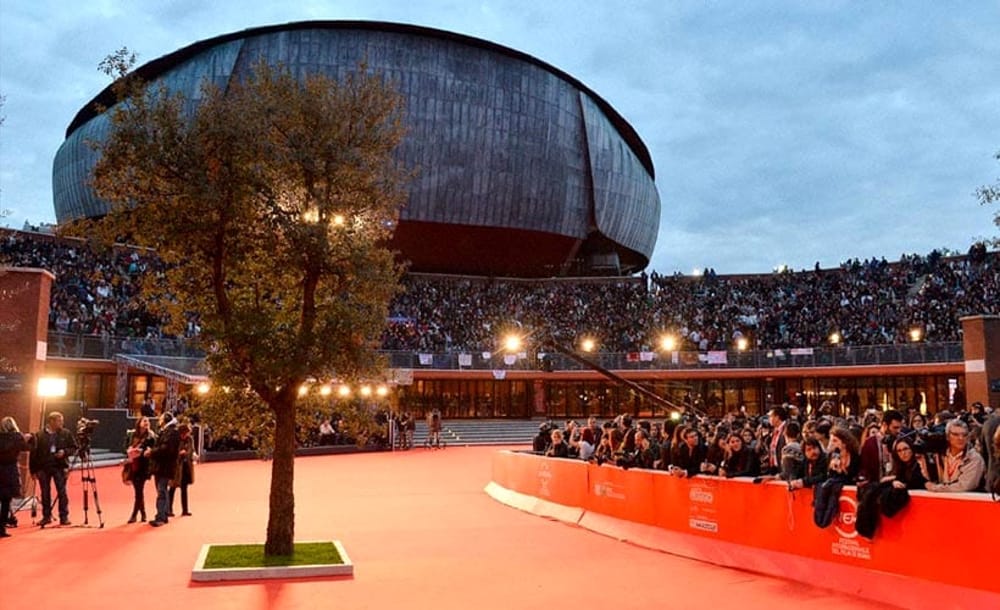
{"points": [[556, 480], [943, 538], [626, 497]]}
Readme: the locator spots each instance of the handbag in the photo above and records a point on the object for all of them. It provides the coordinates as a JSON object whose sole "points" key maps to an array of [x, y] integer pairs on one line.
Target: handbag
{"points": [[126, 472]]}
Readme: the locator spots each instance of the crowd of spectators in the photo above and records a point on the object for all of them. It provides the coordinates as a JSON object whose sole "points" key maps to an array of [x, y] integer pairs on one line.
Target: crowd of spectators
{"points": [[95, 293], [875, 450], [871, 302]]}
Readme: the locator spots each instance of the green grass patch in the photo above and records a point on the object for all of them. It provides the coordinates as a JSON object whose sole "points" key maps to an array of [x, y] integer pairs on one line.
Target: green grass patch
{"points": [[252, 556]]}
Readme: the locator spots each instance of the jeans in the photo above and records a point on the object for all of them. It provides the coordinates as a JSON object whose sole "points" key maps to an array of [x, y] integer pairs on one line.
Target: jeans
{"points": [[58, 476], [162, 498]]}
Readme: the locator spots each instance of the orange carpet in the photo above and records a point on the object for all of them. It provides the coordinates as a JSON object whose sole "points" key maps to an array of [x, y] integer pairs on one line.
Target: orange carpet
{"points": [[417, 525]]}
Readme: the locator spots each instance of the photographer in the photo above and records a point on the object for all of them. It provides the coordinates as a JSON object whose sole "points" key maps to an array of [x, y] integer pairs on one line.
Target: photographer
{"points": [[12, 443], [50, 463], [960, 468]]}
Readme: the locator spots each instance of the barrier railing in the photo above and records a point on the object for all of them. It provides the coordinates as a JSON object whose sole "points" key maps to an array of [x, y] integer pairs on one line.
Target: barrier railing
{"points": [[69, 345], [939, 552]]}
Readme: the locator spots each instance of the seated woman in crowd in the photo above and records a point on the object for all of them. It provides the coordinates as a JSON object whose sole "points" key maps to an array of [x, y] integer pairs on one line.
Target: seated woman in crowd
{"points": [[844, 458], [959, 468], [910, 471], [740, 460], [558, 448]]}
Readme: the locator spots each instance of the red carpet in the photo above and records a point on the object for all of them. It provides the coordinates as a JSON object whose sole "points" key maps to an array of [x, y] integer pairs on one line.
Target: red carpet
{"points": [[417, 525]]}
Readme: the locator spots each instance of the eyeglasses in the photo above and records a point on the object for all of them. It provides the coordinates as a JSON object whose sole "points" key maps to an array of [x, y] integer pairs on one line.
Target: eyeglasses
{"points": [[904, 450], [959, 434]]}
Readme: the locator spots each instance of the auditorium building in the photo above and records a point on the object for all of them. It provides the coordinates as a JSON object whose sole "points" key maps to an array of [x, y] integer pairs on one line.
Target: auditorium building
{"points": [[523, 172]]}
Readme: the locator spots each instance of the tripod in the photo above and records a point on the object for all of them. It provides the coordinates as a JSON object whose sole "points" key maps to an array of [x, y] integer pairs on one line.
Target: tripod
{"points": [[88, 483]]}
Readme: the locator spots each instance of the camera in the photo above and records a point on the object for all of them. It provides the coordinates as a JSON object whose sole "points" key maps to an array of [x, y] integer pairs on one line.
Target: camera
{"points": [[84, 431], [927, 441]]}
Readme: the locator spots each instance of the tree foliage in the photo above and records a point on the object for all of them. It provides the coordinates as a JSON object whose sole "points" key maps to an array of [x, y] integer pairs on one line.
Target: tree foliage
{"points": [[271, 201], [988, 195]]}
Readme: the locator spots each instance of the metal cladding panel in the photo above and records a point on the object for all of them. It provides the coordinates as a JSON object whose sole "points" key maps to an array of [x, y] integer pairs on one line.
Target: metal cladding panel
{"points": [[496, 140], [76, 158], [626, 204]]}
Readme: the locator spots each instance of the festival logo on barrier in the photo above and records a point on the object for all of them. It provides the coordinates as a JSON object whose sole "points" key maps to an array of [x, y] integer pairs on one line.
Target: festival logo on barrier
{"points": [[704, 514], [544, 478], [848, 544]]}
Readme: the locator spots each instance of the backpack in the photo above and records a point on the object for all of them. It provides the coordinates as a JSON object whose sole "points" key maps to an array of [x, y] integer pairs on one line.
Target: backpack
{"points": [[826, 502]]}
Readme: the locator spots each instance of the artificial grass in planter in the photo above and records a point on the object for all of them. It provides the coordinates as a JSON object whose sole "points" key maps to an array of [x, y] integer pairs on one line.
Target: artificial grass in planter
{"points": [[252, 556]]}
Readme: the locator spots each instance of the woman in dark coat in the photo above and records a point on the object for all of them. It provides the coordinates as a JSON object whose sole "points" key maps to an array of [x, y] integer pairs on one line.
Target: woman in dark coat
{"points": [[12, 443], [138, 445]]}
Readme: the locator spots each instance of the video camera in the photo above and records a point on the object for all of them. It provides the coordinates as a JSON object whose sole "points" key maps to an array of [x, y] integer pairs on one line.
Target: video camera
{"points": [[85, 431]]}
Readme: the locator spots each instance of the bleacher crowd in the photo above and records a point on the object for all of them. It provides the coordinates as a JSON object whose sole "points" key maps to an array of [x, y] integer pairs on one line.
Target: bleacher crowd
{"points": [[871, 302]]}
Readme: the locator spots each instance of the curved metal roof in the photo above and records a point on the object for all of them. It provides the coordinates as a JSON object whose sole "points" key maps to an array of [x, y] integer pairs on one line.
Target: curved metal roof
{"points": [[151, 70]]}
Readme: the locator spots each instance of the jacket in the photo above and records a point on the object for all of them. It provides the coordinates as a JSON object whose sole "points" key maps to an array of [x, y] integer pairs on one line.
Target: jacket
{"points": [[47, 445]]}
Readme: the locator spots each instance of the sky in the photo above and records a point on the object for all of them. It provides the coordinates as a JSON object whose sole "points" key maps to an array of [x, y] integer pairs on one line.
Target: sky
{"points": [[782, 133]]}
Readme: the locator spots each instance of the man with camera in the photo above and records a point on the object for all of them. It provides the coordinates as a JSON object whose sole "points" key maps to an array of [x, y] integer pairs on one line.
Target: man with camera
{"points": [[54, 446], [960, 467]]}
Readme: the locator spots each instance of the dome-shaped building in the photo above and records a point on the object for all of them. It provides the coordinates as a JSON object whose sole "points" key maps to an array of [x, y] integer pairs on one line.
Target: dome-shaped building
{"points": [[521, 169]]}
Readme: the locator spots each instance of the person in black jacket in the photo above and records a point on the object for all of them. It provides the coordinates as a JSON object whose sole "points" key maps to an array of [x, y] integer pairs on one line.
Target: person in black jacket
{"points": [[814, 467], [688, 456], [740, 460], [909, 472], [138, 445], [163, 460], [12, 443], [50, 464]]}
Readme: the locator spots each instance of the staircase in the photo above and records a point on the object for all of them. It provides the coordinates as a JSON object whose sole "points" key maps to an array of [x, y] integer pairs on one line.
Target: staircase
{"points": [[467, 432], [101, 458]]}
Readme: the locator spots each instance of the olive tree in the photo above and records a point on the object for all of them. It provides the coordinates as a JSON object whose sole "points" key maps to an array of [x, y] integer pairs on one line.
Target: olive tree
{"points": [[271, 202]]}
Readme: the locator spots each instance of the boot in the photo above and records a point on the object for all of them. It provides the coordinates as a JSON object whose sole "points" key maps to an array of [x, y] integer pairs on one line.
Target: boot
{"points": [[132, 518]]}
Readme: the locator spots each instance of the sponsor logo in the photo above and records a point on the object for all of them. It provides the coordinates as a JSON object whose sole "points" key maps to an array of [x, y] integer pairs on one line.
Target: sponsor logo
{"points": [[608, 490], [703, 525], [701, 495], [544, 477]]}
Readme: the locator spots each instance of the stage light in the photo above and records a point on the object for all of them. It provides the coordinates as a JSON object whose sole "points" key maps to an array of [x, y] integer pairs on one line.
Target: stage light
{"points": [[51, 387], [344, 391], [382, 391], [668, 343], [587, 344], [325, 390], [203, 388], [835, 338], [742, 344], [366, 391], [303, 390], [916, 334], [512, 343]]}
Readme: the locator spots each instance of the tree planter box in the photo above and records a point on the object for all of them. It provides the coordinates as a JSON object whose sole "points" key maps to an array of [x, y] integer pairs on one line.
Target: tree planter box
{"points": [[202, 574]]}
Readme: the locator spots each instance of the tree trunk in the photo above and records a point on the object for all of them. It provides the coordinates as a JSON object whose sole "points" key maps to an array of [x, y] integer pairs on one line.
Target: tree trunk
{"points": [[281, 519]]}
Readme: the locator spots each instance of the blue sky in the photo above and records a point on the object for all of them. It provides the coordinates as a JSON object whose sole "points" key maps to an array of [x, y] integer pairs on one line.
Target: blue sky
{"points": [[782, 132]]}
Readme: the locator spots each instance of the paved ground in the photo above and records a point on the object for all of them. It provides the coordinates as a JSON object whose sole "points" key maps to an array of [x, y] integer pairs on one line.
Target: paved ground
{"points": [[417, 524]]}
